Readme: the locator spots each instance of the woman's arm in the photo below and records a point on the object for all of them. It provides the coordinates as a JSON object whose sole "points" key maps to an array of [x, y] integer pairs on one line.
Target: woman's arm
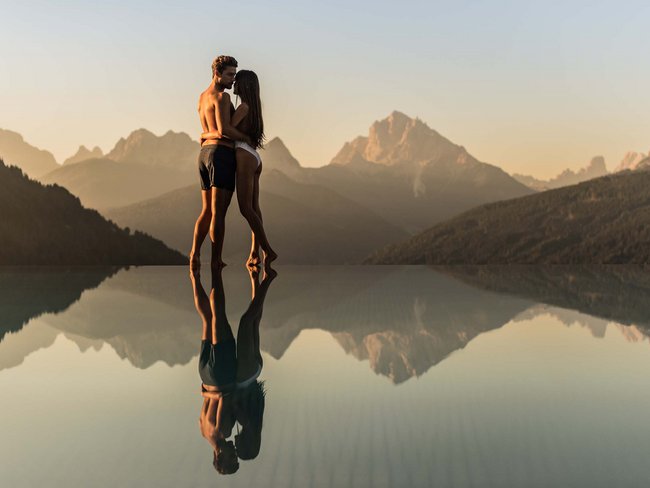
{"points": [[239, 114], [223, 120]]}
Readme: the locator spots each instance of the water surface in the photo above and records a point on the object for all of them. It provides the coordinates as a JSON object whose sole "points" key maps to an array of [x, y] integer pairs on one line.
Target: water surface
{"points": [[375, 376]]}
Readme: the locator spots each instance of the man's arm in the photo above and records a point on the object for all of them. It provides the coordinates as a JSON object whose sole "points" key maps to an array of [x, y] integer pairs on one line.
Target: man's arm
{"points": [[223, 120]]}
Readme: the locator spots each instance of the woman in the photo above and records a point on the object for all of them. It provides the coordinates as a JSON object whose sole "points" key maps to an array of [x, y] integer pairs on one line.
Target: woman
{"points": [[248, 120]]}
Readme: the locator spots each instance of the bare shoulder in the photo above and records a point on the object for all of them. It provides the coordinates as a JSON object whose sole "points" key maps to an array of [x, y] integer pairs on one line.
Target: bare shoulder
{"points": [[206, 97], [243, 107]]}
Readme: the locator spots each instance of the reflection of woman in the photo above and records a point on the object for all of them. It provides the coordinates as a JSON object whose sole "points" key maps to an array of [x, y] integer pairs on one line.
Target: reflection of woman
{"points": [[230, 386], [249, 396], [248, 119]]}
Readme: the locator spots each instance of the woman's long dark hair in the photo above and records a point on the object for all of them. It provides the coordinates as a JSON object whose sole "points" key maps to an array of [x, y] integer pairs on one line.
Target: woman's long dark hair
{"points": [[248, 88]]}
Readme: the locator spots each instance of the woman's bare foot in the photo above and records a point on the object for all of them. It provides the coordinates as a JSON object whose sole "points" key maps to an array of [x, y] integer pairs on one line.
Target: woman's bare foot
{"points": [[269, 273], [253, 260], [195, 260], [269, 257]]}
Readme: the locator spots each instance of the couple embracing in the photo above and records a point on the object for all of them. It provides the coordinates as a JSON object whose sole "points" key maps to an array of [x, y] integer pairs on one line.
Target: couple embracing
{"points": [[229, 160]]}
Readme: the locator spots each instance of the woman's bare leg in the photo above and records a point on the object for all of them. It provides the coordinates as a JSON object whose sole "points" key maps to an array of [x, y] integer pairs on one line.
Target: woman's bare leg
{"points": [[201, 228], [249, 356], [254, 258], [246, 166], [220, 201]]}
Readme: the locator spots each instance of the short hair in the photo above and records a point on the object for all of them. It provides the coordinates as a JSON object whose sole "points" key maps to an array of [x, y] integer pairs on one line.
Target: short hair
{"points": [[222, 62]]}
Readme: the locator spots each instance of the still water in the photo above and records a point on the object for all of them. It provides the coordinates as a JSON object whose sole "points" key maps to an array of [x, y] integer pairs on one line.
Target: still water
{"points": [[374, 376]]}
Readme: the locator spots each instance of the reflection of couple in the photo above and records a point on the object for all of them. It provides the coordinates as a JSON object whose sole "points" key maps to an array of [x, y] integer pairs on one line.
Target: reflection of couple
{"points": [[229, 372], [229, 158]]}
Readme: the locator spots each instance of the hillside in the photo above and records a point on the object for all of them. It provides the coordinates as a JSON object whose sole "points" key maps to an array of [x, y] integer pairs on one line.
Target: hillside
{"points": [[102, 183], [604, 220], [614, 293], [47, 225], [306, 224]]}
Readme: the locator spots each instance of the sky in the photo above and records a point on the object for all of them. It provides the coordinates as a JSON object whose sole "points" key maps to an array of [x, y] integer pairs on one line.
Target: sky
{"points": [[532, 87]]}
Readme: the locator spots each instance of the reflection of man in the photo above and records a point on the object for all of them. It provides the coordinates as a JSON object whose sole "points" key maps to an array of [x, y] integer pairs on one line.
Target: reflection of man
{"points": [[217, 369], [230, 387]]}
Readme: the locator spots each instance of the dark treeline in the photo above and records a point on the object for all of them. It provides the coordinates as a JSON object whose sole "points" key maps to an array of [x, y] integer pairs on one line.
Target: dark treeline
{"points": [[48, 225]]}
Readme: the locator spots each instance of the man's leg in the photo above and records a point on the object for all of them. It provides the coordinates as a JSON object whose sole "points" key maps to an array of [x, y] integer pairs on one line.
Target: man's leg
{"points": [[220, 201], [201, 228]]}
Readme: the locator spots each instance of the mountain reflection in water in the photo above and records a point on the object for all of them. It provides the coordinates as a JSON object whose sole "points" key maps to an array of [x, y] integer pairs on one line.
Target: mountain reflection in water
{"points": [[403, 320]]}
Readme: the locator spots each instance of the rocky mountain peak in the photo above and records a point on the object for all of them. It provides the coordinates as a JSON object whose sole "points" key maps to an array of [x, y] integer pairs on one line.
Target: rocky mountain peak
{"points": [[631, 160], [276, 155], [84, 153], [173, 149], [399, 139]]}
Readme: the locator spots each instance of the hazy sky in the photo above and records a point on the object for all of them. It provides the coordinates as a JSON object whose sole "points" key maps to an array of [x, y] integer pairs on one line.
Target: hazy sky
{"points": [[531, 88]]}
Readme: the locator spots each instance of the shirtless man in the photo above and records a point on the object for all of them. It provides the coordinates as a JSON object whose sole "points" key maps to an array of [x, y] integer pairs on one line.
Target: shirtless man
{"points": [[217, 161]]}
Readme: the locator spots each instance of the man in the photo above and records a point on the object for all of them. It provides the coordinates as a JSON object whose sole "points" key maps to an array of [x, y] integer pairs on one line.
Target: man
{"points": [[216, 161]]}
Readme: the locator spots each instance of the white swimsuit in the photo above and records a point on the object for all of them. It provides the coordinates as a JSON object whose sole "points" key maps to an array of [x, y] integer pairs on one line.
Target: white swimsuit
{"points": [[250, 149]]}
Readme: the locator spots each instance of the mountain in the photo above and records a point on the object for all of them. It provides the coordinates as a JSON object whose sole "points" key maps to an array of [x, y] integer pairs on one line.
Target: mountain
{"points": [[411, 175], [275, 155], [400, 179], [172, 150], [47, 225], [15, 151], [139, 167], [594, 169], [398, 139], [84, 153], [306, 223], [604, 220], [103, 183]]}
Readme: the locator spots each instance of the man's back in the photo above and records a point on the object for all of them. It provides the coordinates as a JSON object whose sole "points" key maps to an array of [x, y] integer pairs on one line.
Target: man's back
{"points": [[208, 101]]}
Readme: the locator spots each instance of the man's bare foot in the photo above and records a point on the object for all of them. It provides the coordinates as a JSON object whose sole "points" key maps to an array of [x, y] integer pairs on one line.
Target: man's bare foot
{"points": [[217, 264], [253, 260], [195, 260]]}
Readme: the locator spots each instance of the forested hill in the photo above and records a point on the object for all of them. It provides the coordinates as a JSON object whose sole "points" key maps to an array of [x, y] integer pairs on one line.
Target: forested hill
{"points": [[48, 225], [601, 221]]}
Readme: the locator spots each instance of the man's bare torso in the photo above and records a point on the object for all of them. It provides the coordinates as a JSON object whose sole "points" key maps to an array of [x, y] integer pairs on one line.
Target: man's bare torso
{"points": [[208, 114]]}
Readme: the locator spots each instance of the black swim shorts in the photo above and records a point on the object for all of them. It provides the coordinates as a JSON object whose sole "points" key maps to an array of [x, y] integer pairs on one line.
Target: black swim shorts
{"points": [[218, 364], [217, 165]]}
